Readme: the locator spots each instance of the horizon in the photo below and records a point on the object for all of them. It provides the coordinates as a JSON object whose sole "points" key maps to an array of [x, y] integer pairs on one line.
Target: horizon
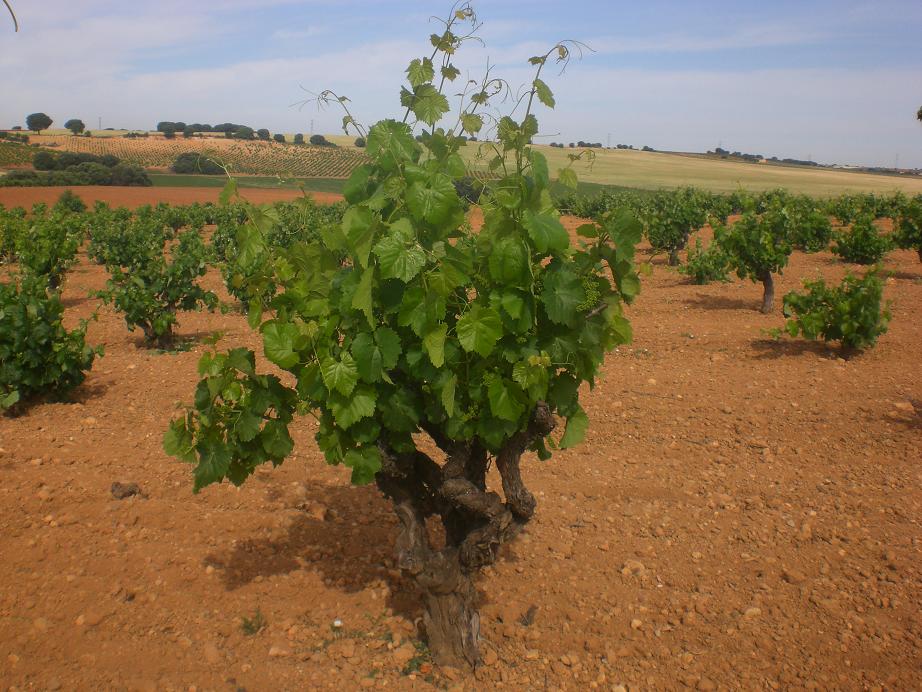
{"points": [[833, 83]]}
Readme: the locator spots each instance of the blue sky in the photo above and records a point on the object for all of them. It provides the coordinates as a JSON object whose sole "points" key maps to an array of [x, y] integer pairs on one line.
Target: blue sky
{"points": [[838, 81]]}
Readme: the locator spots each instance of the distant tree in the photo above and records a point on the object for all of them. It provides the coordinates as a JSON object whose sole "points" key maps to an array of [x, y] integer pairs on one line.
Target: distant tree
{"points": [[179, 125], [38, 122], [280, 138], [75, 125], [188, 131], [360, 142], [919, 114], [319, 140], [169, 130], [17, 127], [244, 132], [263, 134], [299, 138], [164, 124]]}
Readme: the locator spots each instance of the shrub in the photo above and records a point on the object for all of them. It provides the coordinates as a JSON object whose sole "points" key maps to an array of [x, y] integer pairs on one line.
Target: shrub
{"points": [[38, 356], [673, 217], [402, 321], [49, 247], [69, 202], [280, 138], [263, 134], [149, 290], [706, 265], [244, 132], [194, 162], [863, 244], [849, 313], [909, 226], [188, 131], [12, 225], [360, 142], [758, 247], [44, 161], [319, 140], [130, 175], [299, 138]]}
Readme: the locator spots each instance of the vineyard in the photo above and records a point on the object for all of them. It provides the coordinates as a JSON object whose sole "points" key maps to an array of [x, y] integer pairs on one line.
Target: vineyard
{"points": [[769, 468], [245, 157], [456, 431]]}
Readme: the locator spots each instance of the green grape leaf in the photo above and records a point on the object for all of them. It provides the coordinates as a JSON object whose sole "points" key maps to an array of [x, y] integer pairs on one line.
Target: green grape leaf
{"points": [[340, 375], [545, 231], [544, 93], [398, 260], [279, 343], [347, 410], [561, 294], [507, 401], [361, 299], [567, 178], [276, 440], [577, 424], [420, 71], [434, 343], [479, 329], [364, 462], [472, 123]]}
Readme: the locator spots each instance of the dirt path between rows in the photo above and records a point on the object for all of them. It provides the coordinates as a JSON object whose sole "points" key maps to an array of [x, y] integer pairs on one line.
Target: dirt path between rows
{"points": [[744, 514]]}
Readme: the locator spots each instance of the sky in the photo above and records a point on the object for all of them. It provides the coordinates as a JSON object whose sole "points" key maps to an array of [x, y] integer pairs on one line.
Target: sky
{"points": [[837, 82]]}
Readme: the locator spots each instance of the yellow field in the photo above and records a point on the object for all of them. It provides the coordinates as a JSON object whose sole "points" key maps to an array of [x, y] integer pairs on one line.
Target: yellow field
{"points": [[653, 170], [248, 157]]}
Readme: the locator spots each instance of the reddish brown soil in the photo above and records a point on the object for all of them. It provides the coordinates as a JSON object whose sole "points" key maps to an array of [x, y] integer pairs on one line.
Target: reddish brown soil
{"points": [[136, 196], [744, 514]]}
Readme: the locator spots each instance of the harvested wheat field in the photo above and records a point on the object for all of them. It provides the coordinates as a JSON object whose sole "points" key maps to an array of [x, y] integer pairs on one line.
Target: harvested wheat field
{"points": [[744, 514]]}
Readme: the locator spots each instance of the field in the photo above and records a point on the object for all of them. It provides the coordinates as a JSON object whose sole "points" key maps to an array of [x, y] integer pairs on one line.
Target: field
{"points": [[654, 170], [611, 167], [249, 157], [744, 514]]}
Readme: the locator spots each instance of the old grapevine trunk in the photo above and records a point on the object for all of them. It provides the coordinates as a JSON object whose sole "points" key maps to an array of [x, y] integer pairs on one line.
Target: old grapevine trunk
{"points": [[768, 293], [476, 521]]}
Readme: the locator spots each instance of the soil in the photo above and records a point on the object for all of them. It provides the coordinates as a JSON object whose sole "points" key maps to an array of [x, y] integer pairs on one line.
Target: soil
{"points": [[136, 196], [744, 514]]}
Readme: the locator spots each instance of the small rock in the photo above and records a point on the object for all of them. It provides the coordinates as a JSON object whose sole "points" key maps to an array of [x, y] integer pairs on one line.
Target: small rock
{"points": [[211, 654], [531, 655], [752, 613], [633, 568], [905, 406], [120, 491], [403, 654], [278, 651], [636, 624], [347, 648], [793, 576]]}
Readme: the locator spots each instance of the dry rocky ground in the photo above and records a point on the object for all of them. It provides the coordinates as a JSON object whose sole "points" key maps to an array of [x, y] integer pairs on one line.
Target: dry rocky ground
{"points": [[744, 514]]}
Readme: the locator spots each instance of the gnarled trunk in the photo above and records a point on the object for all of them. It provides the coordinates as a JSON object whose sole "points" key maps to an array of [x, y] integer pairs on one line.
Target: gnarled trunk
{"points": [[768, 292], [674, 257], [477, 522]]}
